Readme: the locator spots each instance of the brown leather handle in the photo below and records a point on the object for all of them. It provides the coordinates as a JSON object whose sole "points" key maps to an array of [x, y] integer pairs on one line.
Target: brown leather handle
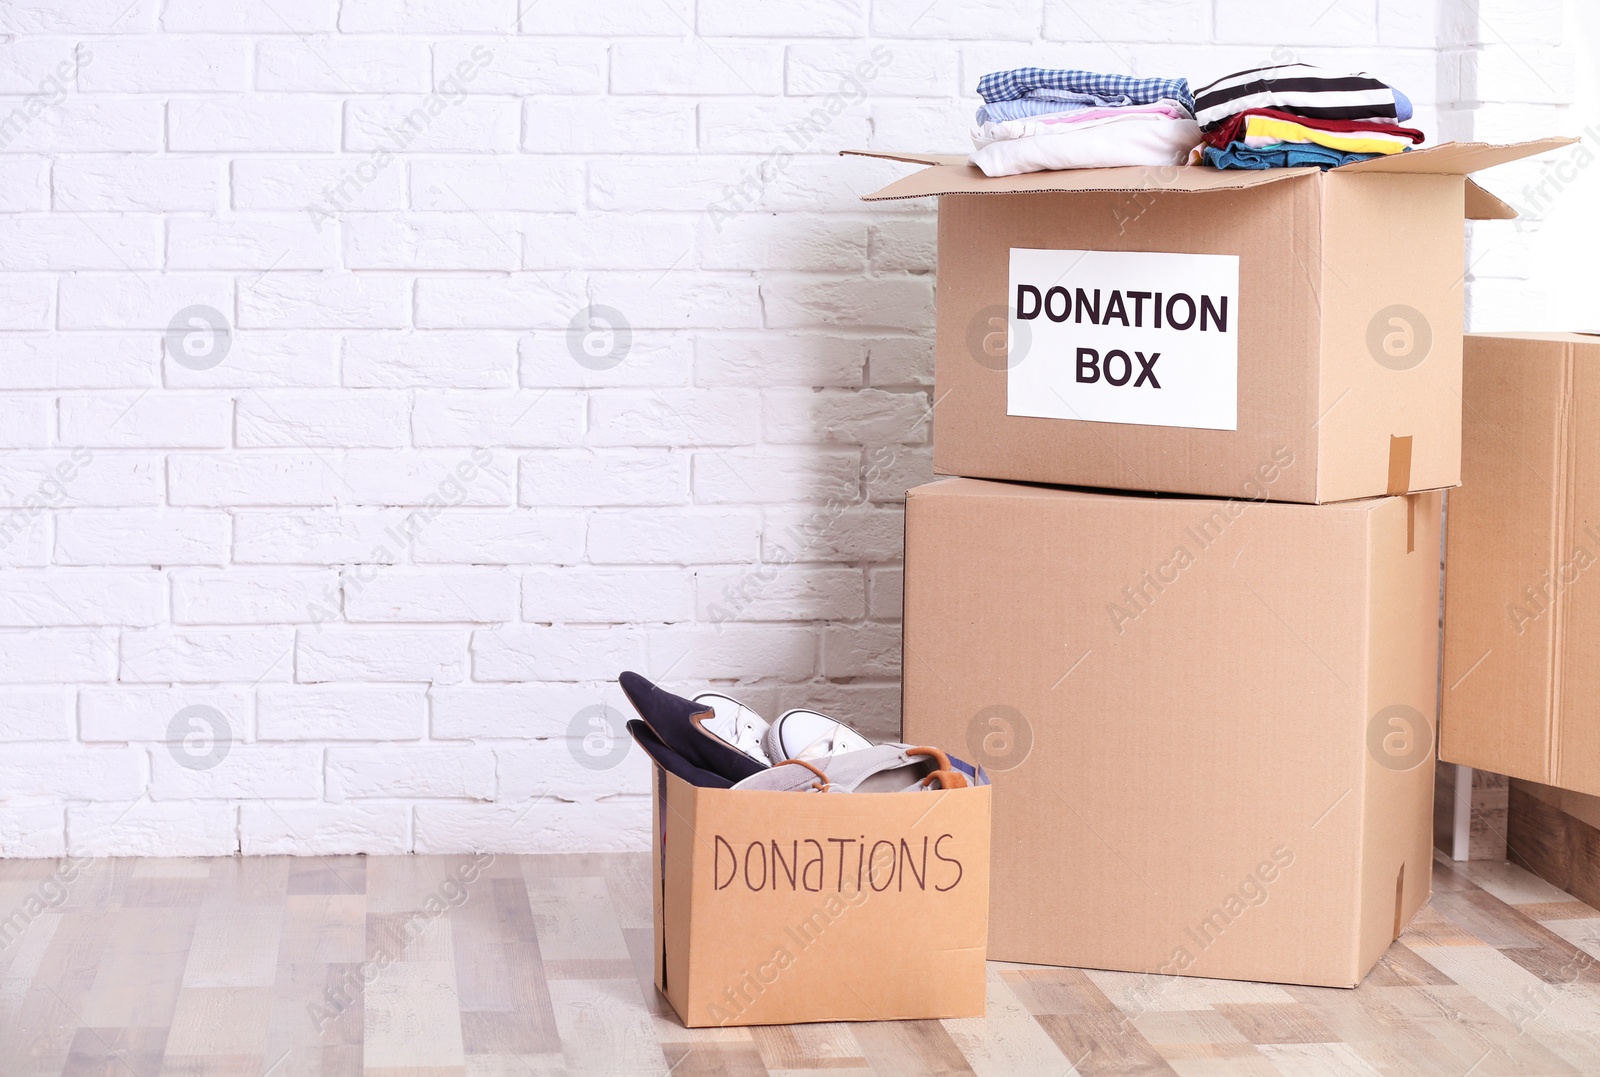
{"points": [[944, 774], [823, 786]]}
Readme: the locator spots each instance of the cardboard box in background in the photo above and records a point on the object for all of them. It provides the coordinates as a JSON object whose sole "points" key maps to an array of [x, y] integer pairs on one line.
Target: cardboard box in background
{"points": [[1522, 565], [1340, 340], [776, 908], [1208, 723]]}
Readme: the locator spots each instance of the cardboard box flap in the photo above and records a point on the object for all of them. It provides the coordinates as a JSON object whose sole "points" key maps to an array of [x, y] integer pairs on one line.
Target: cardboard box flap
{"points": [[1458, 158], [909, 158], [1483, 206], [957, 178], [950, 174], [1585, 338]]}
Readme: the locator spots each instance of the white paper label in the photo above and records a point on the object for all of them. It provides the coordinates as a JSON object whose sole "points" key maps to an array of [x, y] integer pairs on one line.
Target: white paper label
{"points": [[1124, 337]]}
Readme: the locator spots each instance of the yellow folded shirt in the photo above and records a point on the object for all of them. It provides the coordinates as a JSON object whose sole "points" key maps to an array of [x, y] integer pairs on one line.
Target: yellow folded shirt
{"points": [[1266, 131]]}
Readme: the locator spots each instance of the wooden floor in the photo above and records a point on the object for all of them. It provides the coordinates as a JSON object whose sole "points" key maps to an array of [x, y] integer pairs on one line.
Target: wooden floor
{"points": [[540, 965]]}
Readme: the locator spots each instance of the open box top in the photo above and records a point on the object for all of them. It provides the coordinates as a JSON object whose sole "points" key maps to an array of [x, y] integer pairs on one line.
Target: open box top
{"points": [[950, 174]]}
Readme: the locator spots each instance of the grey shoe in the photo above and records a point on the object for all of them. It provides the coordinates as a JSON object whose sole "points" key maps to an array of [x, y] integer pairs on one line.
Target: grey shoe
{"points": [[893, 768], [795, 776], [884, 768]]}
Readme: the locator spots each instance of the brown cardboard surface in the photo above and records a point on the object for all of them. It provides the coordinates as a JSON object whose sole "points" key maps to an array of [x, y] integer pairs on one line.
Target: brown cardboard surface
{"points": [[1402, 672], [747, 938], [1334, 268], [1230, 777], [1577, 608], [1458, 158], [953, 176], [1313, 300], [1274, 230], [909, 158], [1483, 206], [1522, 607], [956, 177], [1556, 337], [1414, 287], [1500, 651]]}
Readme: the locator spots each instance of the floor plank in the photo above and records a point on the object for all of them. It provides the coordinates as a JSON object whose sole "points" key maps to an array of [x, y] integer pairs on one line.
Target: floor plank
{"points": [[1006, 1040], [1100, 1043], [508, 966]]}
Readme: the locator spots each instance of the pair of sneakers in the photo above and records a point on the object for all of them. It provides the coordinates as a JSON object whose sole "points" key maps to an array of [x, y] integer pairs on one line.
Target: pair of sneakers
{"points": [[716, 742], [797, 734], [807, 736]]}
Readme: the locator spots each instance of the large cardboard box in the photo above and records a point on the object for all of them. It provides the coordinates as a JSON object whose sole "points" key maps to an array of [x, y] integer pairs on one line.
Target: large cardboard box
{"points": [[1169, 328], [1522, 588], [773, 908], [1208, 723]]}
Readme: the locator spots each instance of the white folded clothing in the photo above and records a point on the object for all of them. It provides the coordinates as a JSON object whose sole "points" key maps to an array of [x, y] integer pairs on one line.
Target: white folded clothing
{"points": [[1054, 123], [1137, 139]]}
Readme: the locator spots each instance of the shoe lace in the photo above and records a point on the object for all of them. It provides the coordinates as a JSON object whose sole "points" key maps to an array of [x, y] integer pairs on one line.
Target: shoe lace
{"points": [[823, 786], [829, 742]]}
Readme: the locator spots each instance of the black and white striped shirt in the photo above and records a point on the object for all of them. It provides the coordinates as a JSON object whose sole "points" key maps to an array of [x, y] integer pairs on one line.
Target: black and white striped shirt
{"points": [[1299, 88]]}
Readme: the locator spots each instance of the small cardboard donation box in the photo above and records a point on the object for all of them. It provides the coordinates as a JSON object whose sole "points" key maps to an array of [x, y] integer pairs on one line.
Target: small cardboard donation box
{"points": [[774, 908]]}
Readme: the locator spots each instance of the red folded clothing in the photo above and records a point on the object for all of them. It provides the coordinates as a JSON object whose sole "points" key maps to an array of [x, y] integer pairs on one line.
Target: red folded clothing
{"points": [[1232, 128]]}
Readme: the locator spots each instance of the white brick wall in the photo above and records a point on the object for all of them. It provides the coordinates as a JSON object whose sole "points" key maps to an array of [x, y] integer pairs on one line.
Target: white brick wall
{"points": [[353, 573], [1522, 70]]}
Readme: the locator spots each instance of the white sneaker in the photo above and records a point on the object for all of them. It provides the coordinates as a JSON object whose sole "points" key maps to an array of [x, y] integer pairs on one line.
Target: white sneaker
{"points": [[805, 734], [735, 723], [884, 768]]}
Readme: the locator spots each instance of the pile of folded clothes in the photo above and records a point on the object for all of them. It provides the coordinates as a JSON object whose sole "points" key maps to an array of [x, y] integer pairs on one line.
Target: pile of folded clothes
{"points": [[1034, 119], [716, 742], [1295, 114]]}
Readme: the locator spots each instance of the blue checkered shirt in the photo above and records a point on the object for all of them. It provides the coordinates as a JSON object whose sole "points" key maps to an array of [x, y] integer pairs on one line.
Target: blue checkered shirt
{"points": [[1023, 81]]}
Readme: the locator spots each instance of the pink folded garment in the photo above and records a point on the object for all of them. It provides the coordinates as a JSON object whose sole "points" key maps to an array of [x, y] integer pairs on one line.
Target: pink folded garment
{"points": [[1141, 139]]}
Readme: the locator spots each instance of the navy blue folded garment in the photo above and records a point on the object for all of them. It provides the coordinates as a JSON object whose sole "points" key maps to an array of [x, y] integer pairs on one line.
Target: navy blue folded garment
{"points": [[1283, 155]]}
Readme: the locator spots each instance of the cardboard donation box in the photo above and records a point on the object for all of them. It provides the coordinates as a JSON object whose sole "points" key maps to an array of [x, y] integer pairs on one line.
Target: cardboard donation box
{"points": [[772, 908], [1522, 570], [1208, 723], [1168, 328]]}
